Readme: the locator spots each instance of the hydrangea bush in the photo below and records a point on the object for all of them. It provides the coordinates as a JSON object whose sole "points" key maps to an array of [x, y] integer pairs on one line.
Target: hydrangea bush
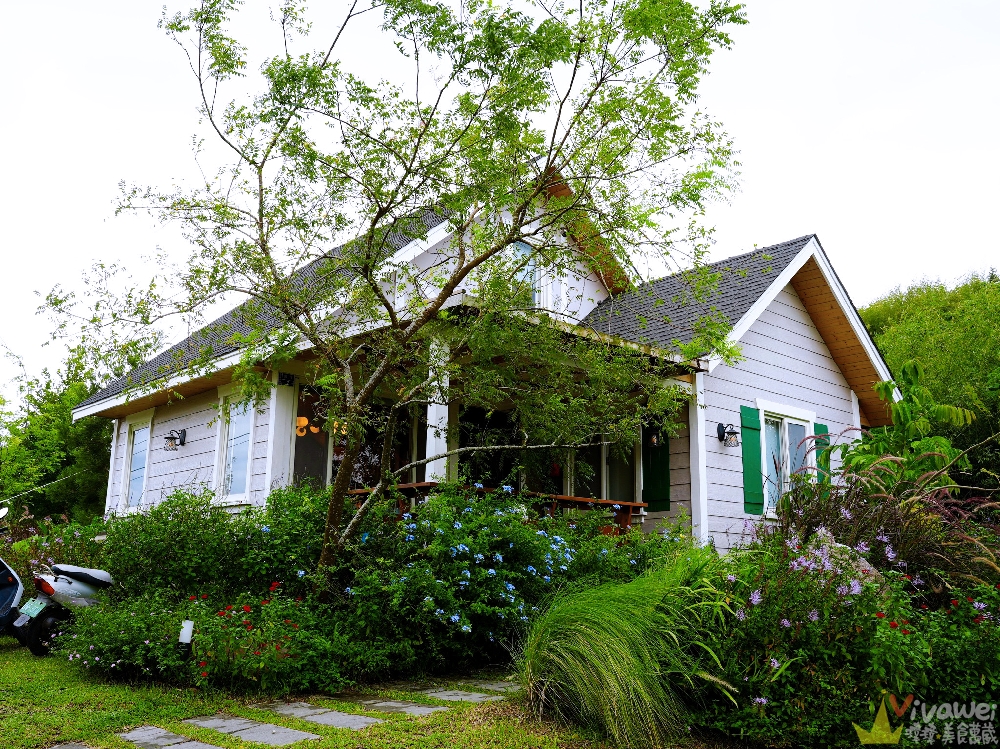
{"points": [[452, 583]]}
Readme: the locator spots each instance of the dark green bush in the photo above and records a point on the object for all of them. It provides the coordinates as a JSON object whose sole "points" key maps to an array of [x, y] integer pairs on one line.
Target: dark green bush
{"points": [[274, 644], [451, 585]]}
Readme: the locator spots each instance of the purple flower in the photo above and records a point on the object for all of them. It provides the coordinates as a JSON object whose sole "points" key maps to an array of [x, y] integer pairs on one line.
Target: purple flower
{"points": [[882, 537], [741, 614], [889, 553], [846, 513], [814, 616], [862, 547], [756, 598], [917, 581], [731, 578], [760, 701], [855, 588], [785, 623], [979, 605], [842, 590], [774, 663]]}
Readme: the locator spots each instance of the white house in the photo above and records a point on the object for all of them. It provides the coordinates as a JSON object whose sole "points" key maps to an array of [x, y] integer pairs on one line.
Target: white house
{"points": [[808, 368]]}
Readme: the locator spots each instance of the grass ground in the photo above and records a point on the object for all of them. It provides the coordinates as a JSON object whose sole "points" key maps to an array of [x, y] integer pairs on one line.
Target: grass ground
{"points": [[46, 701]]}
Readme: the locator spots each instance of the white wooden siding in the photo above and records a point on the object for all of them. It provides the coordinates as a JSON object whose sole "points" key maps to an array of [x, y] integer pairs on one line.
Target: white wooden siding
{"points": [[785, 361], [192, 467]]}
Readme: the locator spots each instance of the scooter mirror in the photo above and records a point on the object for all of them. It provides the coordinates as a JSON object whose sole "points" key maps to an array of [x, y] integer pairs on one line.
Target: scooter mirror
{"points": [[3, 512]]}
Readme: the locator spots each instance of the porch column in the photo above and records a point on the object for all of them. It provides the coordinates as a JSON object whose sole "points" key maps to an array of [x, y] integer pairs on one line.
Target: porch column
{"points": [[281, 429], [699, 467], [442, 420]]}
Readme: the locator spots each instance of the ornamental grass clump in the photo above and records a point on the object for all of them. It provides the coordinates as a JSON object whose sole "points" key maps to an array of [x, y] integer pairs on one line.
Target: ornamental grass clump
{"points": [[627, 660]]}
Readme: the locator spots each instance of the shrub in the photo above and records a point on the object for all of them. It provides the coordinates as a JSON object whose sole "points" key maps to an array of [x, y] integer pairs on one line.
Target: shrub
{"points": [[54, 543], [817, 637], [276, 644], [623, 659]]}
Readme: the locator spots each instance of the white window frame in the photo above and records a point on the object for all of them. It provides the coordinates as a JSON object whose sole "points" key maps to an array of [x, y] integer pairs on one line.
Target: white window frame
{"points": [[524, 249], [786, 413], [222, 440], [139, 420]]}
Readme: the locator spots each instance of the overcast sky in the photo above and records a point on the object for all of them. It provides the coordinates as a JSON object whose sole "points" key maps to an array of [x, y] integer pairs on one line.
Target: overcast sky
{"points": [[872, 124]]}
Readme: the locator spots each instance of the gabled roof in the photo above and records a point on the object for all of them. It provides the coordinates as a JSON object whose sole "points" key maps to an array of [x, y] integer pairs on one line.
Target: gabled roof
{"points": [[219, 338], [663, 311]]}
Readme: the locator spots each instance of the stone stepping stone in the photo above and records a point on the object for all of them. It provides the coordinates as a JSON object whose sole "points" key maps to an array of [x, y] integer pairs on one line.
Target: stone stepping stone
{"points": [[495, 686], [397, 706], [251, 730], [321, 715], [152, 737], [457, 695]]}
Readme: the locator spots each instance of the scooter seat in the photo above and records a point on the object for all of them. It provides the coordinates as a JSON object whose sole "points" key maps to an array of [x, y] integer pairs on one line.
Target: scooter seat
{"points": [[97, 578]]}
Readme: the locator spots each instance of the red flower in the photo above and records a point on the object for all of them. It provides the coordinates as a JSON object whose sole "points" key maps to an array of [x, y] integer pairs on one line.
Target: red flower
{"points": [[246, 621], [264, 603], [908, 577], [954, 602], [222, 613], [229, 608], [905, 631], [893, 624], [204, 673], [203, 664], [906, 621], [192, 598], [970, 600], [277, 647], [256, 652], [249, 627], [880, 615], [923, 605], [288, 621], [204, 595], [274, 586], [247, 609], [299, 598]]}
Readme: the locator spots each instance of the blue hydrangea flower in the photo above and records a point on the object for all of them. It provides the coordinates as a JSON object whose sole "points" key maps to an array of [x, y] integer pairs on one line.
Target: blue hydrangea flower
{"points": [[478, 485], [301, 573], [439, 612], [409, 537], [509, 586], [455, 618], [499, 558], [266, 529], [349, 591], [541, 533], [466, 628], [457, 526], [478, 557], [531, 569], [465, 573], [364, 537], [546, 578], [491, 572], [508, 489]]}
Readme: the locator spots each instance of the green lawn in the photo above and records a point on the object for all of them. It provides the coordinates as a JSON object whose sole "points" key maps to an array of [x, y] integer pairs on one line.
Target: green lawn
{"points": [[45, 701]]}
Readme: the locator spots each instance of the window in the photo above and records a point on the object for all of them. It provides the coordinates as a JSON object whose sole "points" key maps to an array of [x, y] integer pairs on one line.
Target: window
{"points": [[237, 448], [786, 449], [138, 449]]}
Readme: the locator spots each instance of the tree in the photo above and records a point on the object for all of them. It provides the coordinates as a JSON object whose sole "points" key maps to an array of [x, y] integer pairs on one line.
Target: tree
{"points": [[48, 463], [541, 135], [955, 335]]}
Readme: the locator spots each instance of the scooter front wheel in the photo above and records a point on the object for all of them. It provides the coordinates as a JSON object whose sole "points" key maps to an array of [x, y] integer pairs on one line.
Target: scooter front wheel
{"points": [[42, 632]]}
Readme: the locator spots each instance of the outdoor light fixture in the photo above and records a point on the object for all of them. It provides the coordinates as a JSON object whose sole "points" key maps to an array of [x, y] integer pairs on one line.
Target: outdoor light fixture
{"points": [[728, 435], [174, 438]]}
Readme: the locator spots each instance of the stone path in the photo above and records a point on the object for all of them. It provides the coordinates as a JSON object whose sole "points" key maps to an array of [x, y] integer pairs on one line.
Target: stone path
{"points": [[70, 746], [457, 695], [495, 686], [383, 705], [321, 715], [251, 730], [151, 737]]}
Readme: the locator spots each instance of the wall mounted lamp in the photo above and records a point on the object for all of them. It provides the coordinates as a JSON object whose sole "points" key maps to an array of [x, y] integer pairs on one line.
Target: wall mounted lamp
{"points": [[728, 435], [174, 438]]}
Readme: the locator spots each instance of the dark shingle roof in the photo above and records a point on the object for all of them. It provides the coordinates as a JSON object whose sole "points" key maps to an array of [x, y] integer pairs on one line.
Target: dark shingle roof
{"points": [[217, 338], [663, 311]]}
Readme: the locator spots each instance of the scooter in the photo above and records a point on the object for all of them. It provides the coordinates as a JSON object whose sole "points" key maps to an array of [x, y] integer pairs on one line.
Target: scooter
{"points": [[11, 590], [67, 587]]}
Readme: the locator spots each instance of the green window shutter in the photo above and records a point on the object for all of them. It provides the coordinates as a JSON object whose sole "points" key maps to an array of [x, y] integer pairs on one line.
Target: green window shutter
{"points": [[655, 471], [753, 477], [822, 451]]}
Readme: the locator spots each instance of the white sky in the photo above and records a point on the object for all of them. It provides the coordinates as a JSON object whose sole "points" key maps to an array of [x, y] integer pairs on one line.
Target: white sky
{"points": [[872, 124]]}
